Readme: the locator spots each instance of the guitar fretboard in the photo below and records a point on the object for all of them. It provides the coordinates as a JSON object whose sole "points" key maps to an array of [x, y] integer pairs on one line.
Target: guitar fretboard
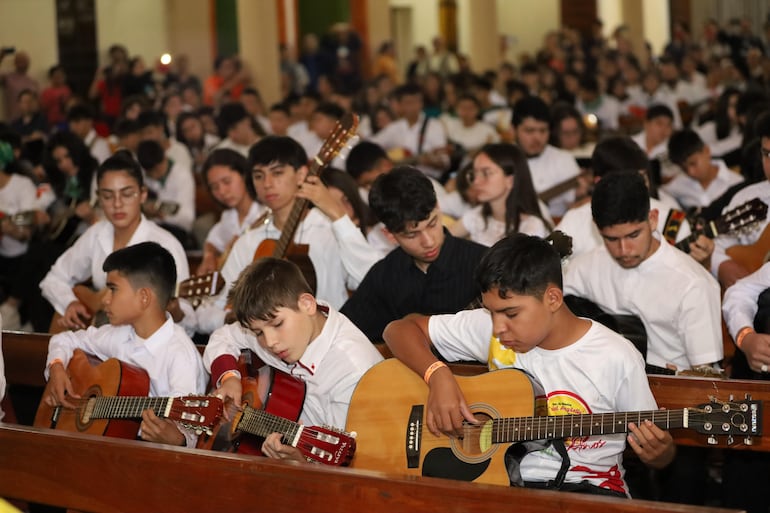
{"points": [[121, 407], [523, 429], [261, 423], [292, 221]]}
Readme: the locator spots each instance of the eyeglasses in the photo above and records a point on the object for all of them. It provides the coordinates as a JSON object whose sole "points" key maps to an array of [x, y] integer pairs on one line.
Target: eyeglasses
{"points": [[107, 196]]}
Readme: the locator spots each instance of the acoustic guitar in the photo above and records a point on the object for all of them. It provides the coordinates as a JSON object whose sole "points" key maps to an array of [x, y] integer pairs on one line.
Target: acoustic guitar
{"points": [[284, 247], [752, 256], [114, 395], [387, 411], [272, 402], [742, 217], [22, 219]]}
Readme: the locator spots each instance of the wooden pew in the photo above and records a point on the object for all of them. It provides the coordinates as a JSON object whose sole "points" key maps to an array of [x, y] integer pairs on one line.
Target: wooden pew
{"points": [[25, 355], [111, 475]]}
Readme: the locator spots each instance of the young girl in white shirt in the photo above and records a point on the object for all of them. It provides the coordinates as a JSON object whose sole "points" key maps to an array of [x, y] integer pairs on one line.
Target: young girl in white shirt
{"points": [[508, 203], [227, 178]]}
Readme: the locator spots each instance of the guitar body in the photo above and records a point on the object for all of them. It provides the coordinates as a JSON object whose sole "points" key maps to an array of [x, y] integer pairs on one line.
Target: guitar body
{"points": [[296, 253], [270, 390], [752, 256], [92, 378], [388, 406]]}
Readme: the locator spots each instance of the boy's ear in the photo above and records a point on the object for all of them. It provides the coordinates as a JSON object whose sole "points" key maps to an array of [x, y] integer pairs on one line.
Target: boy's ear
{"points": [[389, 235], [553, 298], [145, 296], [306, 304]]}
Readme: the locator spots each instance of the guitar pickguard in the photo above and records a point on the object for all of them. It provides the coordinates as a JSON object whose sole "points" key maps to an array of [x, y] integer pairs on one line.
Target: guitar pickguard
{"points": [[442, 462]]}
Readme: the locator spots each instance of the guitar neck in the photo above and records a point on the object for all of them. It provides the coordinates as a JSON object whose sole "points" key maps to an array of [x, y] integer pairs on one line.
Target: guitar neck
{"points": [[290, 226], [560, 188], [522, 429], [261, 423], [122, 407]]}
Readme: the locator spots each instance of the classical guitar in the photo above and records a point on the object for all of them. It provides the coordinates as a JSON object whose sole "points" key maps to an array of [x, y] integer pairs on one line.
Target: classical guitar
{"points": [[752, 256], [387, 411], [562, 187], [284, 247], [272, 402], [742, 217], [113, 397]]}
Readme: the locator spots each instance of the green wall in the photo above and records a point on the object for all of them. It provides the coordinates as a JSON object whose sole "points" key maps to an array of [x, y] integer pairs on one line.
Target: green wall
{"points": [[317, 16], [227, 27]]}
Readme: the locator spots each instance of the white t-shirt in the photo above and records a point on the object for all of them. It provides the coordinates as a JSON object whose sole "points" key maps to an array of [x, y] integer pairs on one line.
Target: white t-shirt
{"points": [[473, 137], [18, 195], [690, 193], [98, 146], [674, 296], [490, 231], [551, 168], [601, 372], [331, 366], [719, 147], [172, 361], [399, 134], [579, 224]]}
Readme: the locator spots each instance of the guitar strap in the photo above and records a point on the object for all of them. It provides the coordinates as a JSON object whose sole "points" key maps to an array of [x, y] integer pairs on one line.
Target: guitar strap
{"points": [[421, 138], [673, 223]]}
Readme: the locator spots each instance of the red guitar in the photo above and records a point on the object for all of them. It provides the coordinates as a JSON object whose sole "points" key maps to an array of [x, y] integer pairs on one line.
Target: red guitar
{"points": [[114, 395], [272, 402]]}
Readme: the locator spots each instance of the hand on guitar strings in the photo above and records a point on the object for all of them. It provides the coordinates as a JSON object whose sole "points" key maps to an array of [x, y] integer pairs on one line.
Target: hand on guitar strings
{"points": [[447, 409], [232, 389], [273, 448], [701, 250], [654, 446], [314, 190], [164, 431], [75, 316], [59, 390]]}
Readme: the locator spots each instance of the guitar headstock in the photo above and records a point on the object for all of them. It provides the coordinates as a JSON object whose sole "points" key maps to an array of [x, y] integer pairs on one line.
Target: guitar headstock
{"points": [[20, 219], [561, 242], [197, 412], [742, 418], [741, 217], [327, 445], [343, 131], [196, 288]]}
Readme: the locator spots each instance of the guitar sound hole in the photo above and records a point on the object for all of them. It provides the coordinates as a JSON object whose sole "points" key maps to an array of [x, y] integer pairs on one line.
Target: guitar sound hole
{"points": [[80, 414], [472, 444]]}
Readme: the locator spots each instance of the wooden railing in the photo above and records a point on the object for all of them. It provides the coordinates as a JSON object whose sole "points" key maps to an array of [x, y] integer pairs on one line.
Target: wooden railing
{"points": [[108, 475]]}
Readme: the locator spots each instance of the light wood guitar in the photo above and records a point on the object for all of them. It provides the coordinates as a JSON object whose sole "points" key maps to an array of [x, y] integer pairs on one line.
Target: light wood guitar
{"points": [[113, 397], [387, 411], [752, 256]]}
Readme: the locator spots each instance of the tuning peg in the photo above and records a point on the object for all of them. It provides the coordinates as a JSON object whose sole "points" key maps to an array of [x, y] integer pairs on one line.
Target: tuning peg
{"points": [[353, 434], [711, 440]]}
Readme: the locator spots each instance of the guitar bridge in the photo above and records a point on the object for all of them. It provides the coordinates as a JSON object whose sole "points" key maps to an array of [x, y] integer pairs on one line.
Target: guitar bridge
{"points": [[414, 436]]}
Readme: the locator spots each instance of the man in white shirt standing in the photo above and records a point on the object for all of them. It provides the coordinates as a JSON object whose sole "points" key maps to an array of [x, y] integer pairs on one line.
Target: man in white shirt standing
{"points": [[549, 165], [421, 138]]}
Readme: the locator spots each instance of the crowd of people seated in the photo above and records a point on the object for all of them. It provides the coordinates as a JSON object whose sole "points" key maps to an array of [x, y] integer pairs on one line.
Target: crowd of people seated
{"points": [[634, 155]]}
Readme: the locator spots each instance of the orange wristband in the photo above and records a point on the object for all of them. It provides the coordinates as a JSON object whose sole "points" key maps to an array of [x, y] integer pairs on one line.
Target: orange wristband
{"points": [[227, 375], [431, 369], [741, 335]]}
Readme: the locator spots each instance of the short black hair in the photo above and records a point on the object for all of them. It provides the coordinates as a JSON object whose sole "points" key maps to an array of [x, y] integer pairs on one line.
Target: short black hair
{"points": [[618, 153], [619, 198], [520, 264], [330, 110], [364, 157], [277, 148], [408, 89], [404, 195], [683, 144], [125, 126], [147, 264], [150, 154], [280, 107], [230, 115], [659, 110], [121, 160], [79, 112], [151, 118], [530, 107]]}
